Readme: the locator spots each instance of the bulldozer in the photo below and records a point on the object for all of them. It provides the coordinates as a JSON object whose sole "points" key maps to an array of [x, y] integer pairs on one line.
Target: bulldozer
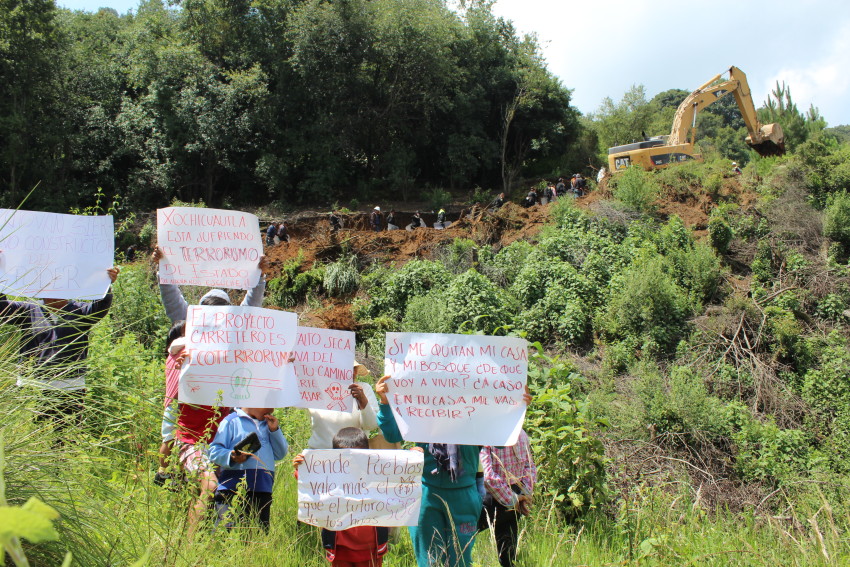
{"points": [[659, 152]]}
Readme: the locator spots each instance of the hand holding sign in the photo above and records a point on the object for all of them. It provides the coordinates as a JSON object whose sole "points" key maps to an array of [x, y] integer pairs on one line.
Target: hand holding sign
{"points": [[462, 389]]}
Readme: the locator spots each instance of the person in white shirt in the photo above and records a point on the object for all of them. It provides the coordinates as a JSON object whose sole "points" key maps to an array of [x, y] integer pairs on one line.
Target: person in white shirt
{"points": [[326, 423]]}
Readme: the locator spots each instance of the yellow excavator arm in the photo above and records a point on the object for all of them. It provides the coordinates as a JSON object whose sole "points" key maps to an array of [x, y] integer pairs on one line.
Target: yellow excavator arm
{"points": [[658, 152], [765, 139]]}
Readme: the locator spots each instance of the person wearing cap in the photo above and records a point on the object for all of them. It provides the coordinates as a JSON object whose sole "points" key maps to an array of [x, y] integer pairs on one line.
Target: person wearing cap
{"points": [[736, 169], [176, 306], [376, 219], [326, 423]]}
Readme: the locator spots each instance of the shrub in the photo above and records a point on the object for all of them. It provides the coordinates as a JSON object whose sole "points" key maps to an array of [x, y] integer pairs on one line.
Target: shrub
{"points": [[437, 198], [427, 314], [473, 303], [390, 291], [558, 316], [570, 458], [696, 270], [504, 266], [836, 219], [457, 256], [292, 286], [719, 234], [147, 236], [648, 306], [341, 278], [637, 189], [540, 274]]}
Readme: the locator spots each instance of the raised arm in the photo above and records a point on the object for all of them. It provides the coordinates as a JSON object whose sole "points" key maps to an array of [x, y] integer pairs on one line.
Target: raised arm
{"points": [[386, 419], [255, 296]]}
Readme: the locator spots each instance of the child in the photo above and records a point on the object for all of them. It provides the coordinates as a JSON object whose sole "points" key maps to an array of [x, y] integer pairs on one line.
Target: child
{"points": [[257, 469], [360, 546], [175, 344], [509, 476]]}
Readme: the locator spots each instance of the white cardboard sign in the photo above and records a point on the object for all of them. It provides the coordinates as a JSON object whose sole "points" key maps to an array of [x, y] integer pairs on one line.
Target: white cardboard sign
{"points": [[463, 389], [343, 488], [208, 247], [238, 355], [324, 368], [56, 256]]}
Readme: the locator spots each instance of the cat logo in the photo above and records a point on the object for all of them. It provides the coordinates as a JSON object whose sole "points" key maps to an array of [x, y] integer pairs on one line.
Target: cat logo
{"points": [[622, 162]]}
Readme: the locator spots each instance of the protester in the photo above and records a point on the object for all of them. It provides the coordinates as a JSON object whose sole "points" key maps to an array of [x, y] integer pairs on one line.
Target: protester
{"points": [[581, 183], [175, 343], [375, 219], [257, 469], [441, 218], [560, 188], [271, 232], [282, 232], [509, 477], [391, 222], [56, 335], [451, 504], [176, 306], [326, 423], [336, 222], [498, 202], [416, 222], [530, 199], [358, 546]]}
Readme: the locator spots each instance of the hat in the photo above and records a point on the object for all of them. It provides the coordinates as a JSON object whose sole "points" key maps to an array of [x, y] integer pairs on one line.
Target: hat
{"points": [[377, 208], [733, 163], [219, 293], [360, 370]]}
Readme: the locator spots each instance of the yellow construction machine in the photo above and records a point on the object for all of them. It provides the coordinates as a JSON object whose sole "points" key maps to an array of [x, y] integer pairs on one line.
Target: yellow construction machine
{"points": [[661, 151]]}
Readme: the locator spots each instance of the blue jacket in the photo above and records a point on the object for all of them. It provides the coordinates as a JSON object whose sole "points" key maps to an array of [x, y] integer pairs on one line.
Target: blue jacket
{"points": [[258, 470]]}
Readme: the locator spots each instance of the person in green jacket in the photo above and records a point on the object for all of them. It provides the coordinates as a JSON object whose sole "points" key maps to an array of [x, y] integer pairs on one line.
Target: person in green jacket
{"points": [[451, 503]]}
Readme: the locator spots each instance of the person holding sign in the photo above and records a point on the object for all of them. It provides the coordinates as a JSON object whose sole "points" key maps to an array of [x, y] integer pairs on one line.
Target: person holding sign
{"points": [[56, 334], [326, 423], [176, 306], [358, 546], [247, 444], [451, 504]]}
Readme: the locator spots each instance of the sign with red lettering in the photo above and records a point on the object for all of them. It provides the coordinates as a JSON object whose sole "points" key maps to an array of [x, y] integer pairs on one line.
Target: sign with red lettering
{"points": [[463, 389], [324, 368], [238, 356], [208, 247], [344, 488], [55, 256]]}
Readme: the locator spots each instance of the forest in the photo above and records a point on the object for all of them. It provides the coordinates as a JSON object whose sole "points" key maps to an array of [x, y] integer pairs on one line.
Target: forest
{"points": [[688, 327]]}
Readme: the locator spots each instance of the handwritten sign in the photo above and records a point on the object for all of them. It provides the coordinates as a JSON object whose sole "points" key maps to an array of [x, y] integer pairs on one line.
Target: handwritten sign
{"points": [[464, 389], [55, 256], [208, 247], [324, 368], [240, 354], [343, 488]]}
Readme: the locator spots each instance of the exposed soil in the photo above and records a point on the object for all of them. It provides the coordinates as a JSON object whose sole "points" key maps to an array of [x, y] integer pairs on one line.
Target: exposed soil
{"points": [[310, 233]]}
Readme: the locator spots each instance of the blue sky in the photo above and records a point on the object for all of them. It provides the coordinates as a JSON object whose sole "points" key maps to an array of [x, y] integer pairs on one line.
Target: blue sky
{"points": [[602, 48]]}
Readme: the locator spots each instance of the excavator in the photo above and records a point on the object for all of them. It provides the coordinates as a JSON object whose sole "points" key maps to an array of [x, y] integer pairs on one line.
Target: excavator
{"points": [[659, 152]]}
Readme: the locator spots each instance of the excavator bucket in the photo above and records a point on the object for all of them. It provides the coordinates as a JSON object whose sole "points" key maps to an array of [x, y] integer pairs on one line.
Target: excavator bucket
{"points": [[770, 142]]}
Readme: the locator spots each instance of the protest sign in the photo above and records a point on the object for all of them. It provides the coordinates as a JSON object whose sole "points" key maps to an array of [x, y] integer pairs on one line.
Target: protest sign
{"points": [[324, 368], [343, 488], [55, 256], [463, 389], [208, 247], [238, 356]]}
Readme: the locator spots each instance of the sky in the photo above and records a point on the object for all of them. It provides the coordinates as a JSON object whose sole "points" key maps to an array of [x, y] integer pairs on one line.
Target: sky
{"points": [[600, 48]]}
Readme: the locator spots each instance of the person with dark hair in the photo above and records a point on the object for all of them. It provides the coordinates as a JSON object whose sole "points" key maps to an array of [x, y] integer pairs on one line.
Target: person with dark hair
{"points": [[271, 232], [391, 223], [415, 222], [336, 221], [509, 477], [256, 470], [56, 336], [282, 232], [498, 202], [359, 546], [451, 504]]}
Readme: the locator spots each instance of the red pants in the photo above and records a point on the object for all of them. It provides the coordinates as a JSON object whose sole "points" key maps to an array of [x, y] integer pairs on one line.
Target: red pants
{"points": [[376, 563]]}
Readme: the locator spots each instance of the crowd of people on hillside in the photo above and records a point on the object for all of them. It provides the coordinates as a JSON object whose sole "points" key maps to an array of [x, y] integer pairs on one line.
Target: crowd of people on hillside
{"points": [[220, 452], [575, 187]]}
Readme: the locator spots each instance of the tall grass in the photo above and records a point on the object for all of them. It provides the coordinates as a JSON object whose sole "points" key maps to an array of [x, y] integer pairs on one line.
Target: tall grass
{"points": [[97, 475]]}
